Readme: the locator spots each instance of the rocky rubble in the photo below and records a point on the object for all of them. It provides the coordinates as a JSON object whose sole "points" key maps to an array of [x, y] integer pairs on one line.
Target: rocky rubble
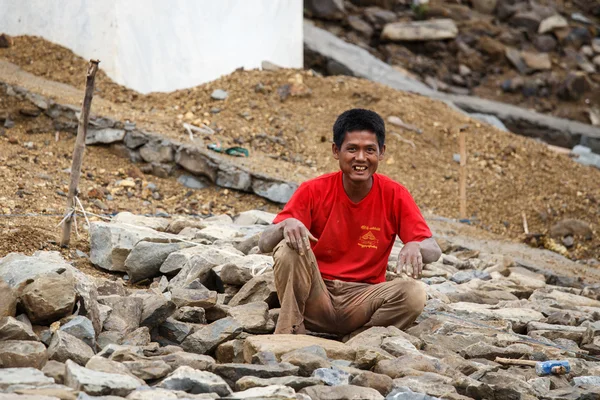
{"points": [[537, 54], [198, 324]]}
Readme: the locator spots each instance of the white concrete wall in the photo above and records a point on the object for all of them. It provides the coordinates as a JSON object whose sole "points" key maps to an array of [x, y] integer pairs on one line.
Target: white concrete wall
{"points": [[164, 45]]}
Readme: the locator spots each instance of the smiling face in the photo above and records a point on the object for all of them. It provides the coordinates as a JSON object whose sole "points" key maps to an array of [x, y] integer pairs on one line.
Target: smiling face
{"points": [[359, 155]]}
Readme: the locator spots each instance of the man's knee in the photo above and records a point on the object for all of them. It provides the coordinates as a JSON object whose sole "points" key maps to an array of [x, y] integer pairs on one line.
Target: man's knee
{"points": [[413, 295]]}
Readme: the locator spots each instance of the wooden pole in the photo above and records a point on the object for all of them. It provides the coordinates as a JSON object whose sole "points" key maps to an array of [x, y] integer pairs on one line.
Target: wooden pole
{"points": [[84, 118], [512, 361], [462, 174]]}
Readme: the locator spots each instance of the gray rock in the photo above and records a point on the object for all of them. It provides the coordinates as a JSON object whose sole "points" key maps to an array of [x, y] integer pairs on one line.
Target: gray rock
{"points": [[157, 151], [152, 393], [155, 310], [13, 329], [346, 392], [586, 381], [430, 383], [326, 9], [194, 315], [193, 294], [437, 29], [277, 191], [146, 258], [231, 351], [104, 136], [156, 223], [295, 382], [191, 381], [490, 352], [404, 393], [197, 267], [259, 288], [306, 362], [332, 376], [254, 317], [55, 370], [8, 300], [191, 182], [111, 243], [255, 217], [231, 274], [233, 372], [101, 364], [174, 331], [178, 260], [504, 382], [207, 338], [468, 275], [82, 328], [64, 346], [22, 353], [134, 139], [139, 337], [148, 369], [219, 94], [196, 361], [230, 176], [23, 376], [109, 337], [98, 383], [382, 383], [49, 298], [125, 315]]}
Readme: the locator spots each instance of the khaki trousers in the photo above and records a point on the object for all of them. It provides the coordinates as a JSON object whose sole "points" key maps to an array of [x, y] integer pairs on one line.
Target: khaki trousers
{"points": [[309, 302]]}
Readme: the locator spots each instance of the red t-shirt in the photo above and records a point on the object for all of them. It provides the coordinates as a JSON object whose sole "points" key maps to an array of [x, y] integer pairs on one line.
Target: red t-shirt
{"points": [[355, 239]]}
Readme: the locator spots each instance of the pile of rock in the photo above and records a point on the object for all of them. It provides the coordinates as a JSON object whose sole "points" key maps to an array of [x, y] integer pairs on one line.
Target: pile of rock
{"points": [[202, 328], [533, 49]]}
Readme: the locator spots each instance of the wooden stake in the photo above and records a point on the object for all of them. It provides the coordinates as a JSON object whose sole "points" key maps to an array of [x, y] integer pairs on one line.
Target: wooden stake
{"points": [[512, 361], [84, 118], [525, 226], [462, 180]]}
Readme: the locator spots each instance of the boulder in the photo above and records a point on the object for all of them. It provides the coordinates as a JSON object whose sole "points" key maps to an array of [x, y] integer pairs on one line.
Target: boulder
{"points": [[429, 383], [346, 392], [18, 270], [196, 267], [196, 361], [281, 344], [13, 329], [104, 136], [23, 376], [174, 331], [194, 315], [326, 9], [193, 294], [255, 217], [253, 317], [157, 151], [382, 383], [101, 364], [207, 338], [192, 381], [49, 298], [111, 243], [8, 300], [125, 315], [295, 382], [139, 337], [156, 223], [22, 354], [231, 373], [97, 383], [148, 369], [274, 392], [64, 346], [146, 258], [306, 361], [407, 364], [155, 310], [82, 328], [490, 352], [332, 376], [55, 370], [231, 351], [259, 288], [437, 29]]}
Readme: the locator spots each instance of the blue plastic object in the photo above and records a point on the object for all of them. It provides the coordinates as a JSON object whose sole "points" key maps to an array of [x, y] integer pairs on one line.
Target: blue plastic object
{"points": [[554, 367]]}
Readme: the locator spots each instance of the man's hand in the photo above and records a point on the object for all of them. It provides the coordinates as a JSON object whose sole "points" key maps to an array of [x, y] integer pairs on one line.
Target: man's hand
{"points": [[410, 260], [297, 236]]}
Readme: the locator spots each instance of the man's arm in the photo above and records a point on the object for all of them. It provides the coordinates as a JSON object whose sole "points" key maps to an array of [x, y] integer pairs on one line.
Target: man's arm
{"points": [[296, 235], [430, 250]]}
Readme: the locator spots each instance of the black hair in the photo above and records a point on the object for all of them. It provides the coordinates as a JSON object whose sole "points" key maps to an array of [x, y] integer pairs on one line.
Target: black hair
{"points": [[358, 119]]}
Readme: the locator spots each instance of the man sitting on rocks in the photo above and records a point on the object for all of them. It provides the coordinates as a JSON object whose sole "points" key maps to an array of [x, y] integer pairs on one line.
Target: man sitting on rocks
{"points": [[337, 283]]}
